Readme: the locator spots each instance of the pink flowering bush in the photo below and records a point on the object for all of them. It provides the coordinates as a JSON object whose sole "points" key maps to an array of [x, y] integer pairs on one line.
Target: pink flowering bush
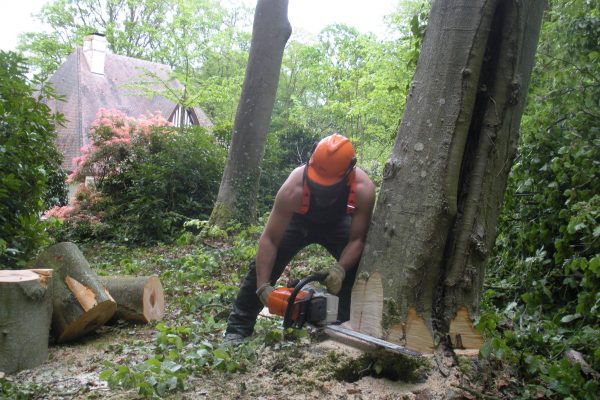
{"points": [[81, 218], [148, 178], [111, 140]]}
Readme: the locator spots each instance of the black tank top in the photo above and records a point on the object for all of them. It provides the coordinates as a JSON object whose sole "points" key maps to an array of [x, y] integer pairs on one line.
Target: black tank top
{"points": [[327, 214]]}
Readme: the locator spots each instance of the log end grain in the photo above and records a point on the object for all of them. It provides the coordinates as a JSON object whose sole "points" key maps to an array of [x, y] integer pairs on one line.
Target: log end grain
{"points": [[154, 300]]}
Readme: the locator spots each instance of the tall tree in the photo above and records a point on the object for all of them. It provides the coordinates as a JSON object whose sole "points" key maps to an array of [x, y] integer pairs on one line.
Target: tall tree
{"points": [[239, 185], [154, 30], [421, 275], [132, 28]]}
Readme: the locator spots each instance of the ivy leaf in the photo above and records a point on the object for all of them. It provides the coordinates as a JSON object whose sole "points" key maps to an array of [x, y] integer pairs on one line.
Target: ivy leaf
{"points": [[222, 354], [106, 374], [568, 318], [172, 383], [594, 265], [485, 350]]}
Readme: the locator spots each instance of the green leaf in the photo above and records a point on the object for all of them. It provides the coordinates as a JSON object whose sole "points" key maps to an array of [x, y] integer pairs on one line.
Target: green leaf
{"points": [[172, 383], [221, 353], [568, 318], [486, 349], [106, 374], [153, 361], [378, 368], [594, 265]]}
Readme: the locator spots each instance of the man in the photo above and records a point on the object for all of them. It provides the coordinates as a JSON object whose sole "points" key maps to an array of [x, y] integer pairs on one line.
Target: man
{"points": [[328, 201]]}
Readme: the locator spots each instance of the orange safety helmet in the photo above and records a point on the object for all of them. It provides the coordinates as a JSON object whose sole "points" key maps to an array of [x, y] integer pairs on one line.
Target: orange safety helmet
{"points": [[330, 160]]}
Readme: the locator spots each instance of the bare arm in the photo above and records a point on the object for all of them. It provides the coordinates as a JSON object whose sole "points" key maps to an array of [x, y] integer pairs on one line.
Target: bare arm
{"points": [[365, 201], [286, 202]]}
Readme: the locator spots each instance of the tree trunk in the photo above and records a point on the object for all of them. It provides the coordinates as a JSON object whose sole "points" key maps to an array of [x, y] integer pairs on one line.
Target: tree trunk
{"points": [[139, 298], [239, 186], [25, 315], [435, 220], [80, 303]]}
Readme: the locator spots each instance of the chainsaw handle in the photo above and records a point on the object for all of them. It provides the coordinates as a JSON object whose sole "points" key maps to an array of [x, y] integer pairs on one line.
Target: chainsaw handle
{"points": [[287, 319]]}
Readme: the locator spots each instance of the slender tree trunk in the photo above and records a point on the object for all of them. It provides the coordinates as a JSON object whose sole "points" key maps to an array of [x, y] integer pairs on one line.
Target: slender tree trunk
{"points": [[239, 185], [435, 220]]}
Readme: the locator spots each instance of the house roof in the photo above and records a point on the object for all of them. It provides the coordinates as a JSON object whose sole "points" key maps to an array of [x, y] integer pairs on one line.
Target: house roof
{"points": [[85, 93]]}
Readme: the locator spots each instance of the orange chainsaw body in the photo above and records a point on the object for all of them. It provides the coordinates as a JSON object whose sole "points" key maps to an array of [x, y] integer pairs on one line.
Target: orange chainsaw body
{"points": [[298, 306], [279, 298]]}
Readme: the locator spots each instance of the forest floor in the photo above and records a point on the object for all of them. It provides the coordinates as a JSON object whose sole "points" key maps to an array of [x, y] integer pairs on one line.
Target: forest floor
{"points": [[183, 357]]}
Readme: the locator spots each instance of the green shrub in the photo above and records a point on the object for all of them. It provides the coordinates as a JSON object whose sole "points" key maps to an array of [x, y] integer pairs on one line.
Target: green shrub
{"points": [[149, 179], [31, 178], [547, 258]]}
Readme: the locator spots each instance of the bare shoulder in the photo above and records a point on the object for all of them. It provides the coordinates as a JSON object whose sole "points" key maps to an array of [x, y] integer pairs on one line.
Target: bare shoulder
{"points": [[364, 183], [289, 195], [365, 189]]}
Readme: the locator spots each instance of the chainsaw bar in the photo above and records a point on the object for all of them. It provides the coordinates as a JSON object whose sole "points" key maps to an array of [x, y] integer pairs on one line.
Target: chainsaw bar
{"points": [[332, 330]]}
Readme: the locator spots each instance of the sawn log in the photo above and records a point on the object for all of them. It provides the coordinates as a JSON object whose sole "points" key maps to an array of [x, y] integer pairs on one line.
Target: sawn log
{"points": [[139, 298], [80, 302]]}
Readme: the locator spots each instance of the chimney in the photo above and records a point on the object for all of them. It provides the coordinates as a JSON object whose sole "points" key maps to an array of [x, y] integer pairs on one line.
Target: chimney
{"points": [[94, 49]]}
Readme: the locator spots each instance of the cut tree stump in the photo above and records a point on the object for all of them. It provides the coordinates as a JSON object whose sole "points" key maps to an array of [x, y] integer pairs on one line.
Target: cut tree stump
{"points": [[80, 302], [372, 314], [462, 333], [25, 315], [139, 298]]}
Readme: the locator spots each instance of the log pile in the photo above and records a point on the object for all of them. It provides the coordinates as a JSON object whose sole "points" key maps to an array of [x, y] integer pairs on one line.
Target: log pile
{"points": [[62, 295]]}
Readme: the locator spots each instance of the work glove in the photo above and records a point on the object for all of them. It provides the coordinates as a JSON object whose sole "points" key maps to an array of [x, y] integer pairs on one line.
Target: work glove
{"points": [[263, 292], [334, 279]]}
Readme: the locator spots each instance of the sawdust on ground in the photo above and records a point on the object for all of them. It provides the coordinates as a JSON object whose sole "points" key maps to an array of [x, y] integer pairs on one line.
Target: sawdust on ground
{"points": [[299, 371]]}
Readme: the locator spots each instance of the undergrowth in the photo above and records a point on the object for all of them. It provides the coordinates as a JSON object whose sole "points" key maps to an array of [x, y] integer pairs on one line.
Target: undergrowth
{"points": [[201, 277]]}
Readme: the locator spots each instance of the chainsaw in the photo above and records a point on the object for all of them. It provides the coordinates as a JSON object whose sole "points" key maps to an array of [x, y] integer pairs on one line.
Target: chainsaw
{"points": [[298, 306]]}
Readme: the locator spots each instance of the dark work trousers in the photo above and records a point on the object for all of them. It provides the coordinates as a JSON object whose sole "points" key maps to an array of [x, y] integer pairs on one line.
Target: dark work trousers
{"points": [[299, 234]]}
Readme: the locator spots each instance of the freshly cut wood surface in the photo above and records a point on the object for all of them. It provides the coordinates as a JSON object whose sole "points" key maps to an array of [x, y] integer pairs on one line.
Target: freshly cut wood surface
{"points": [[366, 311], [139, 298], [25, 315], [84, 295], [418, 336], [17, 275], [80, 302], [462, 333]]}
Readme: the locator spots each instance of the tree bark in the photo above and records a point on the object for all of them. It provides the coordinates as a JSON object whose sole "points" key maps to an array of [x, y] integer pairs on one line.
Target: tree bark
{"points": [[239, 186], [139, 298], [25, 315], [81, 304], [435, 220]]}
